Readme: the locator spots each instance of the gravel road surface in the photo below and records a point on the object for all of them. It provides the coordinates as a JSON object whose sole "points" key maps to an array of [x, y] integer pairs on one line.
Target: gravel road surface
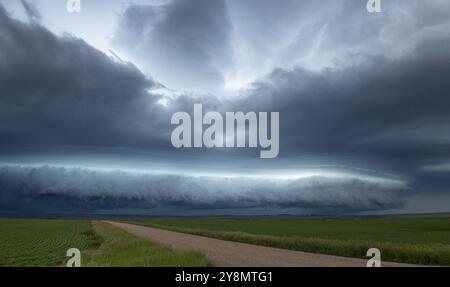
{"points": [[234, 254]]}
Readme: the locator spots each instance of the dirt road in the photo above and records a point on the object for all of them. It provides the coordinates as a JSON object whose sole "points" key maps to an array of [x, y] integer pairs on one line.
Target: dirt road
{"points": [[235, 254]]}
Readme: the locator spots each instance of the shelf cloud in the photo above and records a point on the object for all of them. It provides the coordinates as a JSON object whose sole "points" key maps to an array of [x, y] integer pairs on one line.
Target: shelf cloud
{"points": [[353, 90], [60, 189]]}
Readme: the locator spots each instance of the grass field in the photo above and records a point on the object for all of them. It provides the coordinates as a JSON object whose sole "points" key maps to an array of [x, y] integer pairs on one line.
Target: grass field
{"points": [[44, 243], [39, 242], [121, 249], [424, 240]]}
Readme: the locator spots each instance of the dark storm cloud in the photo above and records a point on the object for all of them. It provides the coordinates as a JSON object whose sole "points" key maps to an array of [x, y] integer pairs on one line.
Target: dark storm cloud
{"points": [[184, 42], [387, 113], [62, 189], [59, 90], [394, 111]]}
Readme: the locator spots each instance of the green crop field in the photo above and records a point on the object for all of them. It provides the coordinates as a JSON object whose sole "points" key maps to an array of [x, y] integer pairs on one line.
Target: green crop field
{"points": [[39, 242], [420, 240], [44, 243]]}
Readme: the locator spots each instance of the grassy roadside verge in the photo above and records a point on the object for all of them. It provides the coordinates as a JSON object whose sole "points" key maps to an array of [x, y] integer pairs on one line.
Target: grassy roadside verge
{"points": [[414, 253], [121, 249]]}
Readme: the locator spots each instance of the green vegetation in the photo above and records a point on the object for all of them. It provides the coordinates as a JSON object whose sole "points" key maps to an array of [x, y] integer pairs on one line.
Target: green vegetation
{"points": [[125, 250], [44, 243], [39, 242], [424, 240]]}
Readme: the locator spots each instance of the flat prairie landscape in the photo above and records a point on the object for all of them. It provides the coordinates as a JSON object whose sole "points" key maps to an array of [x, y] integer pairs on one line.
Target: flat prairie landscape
{"points": [[421, 240]]}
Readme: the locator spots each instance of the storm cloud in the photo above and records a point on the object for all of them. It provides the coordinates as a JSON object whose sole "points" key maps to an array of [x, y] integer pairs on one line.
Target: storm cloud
{"points": [[189, 37], [355, 91], [59, 90], [394, 110], [59, 189]]}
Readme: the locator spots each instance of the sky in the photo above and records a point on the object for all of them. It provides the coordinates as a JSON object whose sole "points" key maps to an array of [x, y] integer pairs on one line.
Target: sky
{"points": [[86, 101]]}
